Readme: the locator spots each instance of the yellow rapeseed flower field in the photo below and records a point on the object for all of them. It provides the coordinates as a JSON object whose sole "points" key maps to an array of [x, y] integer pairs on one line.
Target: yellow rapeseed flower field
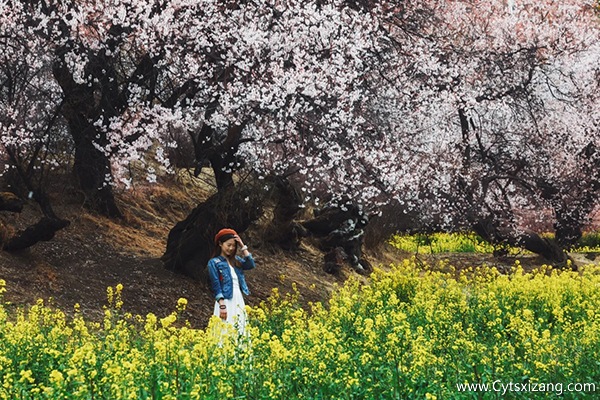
{"points": [[412, 332]]}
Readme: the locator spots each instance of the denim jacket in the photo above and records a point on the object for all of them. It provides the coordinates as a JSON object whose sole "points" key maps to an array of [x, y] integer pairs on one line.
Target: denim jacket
{"points": [[220, 276]]}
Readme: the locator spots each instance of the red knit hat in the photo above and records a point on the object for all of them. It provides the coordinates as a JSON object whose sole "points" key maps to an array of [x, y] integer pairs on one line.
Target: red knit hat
{"points": [[223, 233]]}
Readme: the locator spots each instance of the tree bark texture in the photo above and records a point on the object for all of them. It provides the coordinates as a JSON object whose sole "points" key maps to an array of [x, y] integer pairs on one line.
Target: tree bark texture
{"points": [[222, 157], [340, 233], [283, 230], [83, 106], [43, 230], [526, 239]]}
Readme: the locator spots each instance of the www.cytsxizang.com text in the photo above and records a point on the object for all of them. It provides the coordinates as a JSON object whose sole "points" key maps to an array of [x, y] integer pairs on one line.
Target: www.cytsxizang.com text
{"points": [[528, 387]]}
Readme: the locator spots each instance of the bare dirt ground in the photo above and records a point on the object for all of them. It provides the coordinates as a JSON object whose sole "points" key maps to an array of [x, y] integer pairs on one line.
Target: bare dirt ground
{"points": [[94, 252]]}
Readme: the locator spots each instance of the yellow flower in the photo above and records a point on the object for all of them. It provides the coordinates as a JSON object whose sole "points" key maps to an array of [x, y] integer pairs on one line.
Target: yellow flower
{"points": [[26, 376], [168, 320], [181, 304], [527, 314], [56, 377], [109, 294]]}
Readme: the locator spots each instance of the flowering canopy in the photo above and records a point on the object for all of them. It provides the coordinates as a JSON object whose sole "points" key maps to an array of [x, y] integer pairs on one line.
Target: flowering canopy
{"points": [[455, 104]]}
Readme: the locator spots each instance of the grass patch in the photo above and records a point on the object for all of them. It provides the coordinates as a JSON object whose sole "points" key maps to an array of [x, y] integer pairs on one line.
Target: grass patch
{"points": [[458, 242], [442, 242]]}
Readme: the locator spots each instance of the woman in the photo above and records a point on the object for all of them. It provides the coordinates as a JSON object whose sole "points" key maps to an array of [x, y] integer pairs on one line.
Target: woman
{"points": [[226, 272]]}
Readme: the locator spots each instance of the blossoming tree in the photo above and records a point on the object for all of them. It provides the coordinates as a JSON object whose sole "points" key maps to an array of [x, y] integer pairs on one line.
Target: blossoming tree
{"points": [[30, 130], [499, 105], [468, 112]]}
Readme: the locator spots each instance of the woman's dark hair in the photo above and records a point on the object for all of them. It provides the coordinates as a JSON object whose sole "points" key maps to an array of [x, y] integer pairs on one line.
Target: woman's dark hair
{"points": [[216, 250]]}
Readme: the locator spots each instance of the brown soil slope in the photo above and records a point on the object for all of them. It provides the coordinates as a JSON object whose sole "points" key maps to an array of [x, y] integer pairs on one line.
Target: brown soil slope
{"points": [[94, 252]]}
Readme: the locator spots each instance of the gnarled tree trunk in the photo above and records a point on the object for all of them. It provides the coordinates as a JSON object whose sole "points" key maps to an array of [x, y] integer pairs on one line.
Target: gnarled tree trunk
{"points": [[340, 232], [91, 168], [190, 243], [83, 106], [283, 230], [46, 227], [525, 239], [43, 230]]}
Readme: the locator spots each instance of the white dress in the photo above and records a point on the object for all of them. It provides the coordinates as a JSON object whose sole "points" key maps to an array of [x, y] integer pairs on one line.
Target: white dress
{"points": [[236, 312]]}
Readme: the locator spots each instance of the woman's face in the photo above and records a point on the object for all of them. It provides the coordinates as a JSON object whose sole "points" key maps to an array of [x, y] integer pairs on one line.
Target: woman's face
{"points": [[228, 247]]}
